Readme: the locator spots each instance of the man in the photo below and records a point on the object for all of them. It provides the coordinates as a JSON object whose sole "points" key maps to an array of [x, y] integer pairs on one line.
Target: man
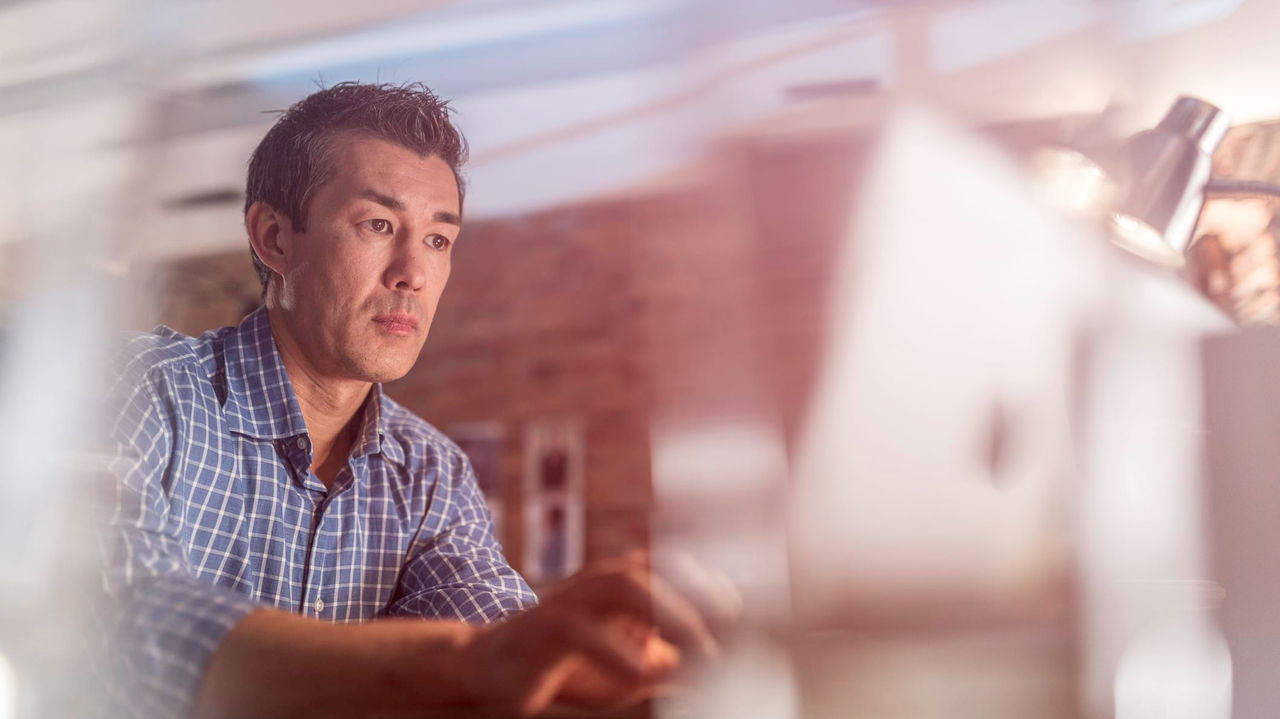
{"points": [[288, 541]]}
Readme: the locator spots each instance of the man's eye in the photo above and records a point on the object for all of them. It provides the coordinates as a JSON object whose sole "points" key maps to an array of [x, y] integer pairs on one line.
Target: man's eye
{"points": [[439, 242], [382, 227]]}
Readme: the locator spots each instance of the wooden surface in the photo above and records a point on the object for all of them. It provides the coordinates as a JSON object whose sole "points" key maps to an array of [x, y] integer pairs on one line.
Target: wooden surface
{"points": [[640, 711]]}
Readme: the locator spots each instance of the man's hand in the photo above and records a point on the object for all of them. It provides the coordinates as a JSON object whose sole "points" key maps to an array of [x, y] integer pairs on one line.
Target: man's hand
{"points": [[605, 637]]}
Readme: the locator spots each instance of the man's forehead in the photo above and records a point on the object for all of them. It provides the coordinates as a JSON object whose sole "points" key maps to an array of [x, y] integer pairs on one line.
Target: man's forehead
{"points": [[365, 165]]}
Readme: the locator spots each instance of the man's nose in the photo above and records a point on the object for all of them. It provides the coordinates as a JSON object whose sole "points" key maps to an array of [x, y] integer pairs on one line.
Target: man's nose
{"points": [[408, 270]]}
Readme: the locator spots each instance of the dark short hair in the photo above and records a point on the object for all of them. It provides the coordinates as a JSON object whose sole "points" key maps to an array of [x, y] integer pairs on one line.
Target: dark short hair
{"points": [[295, 157]]}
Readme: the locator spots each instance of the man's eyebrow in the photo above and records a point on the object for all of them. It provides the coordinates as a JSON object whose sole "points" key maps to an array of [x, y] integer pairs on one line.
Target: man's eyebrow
{"points": [[386, 201], [392, 203]]}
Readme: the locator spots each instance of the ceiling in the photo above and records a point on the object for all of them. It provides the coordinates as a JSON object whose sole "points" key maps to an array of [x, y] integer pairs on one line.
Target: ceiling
{"points": [[563, 99]]}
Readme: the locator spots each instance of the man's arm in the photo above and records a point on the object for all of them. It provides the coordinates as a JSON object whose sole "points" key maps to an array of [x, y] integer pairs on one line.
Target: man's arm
{"points": [[278, 664], [459, 572], [593, 642], [162, 623], [180, 643]]}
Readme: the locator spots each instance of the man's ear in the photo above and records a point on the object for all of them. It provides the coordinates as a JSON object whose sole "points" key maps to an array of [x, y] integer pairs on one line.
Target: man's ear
{"points": [[269, 235]]}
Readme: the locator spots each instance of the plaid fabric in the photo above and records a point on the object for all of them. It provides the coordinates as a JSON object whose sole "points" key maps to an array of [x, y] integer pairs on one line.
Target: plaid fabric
{"points": [[217, 513]]}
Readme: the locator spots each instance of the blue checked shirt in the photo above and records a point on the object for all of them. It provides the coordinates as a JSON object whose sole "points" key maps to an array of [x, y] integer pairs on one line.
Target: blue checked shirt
{"points": [[217, 514]]}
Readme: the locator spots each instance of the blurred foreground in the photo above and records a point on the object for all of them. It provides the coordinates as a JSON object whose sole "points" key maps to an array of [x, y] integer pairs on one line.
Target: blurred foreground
{"points": [[774, 284]]}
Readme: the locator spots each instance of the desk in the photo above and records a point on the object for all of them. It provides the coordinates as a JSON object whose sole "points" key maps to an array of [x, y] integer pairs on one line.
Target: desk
{"points": [[640, 711]]}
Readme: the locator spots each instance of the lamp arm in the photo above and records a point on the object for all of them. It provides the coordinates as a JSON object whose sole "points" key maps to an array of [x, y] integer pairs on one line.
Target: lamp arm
{"points": [[1241, 187]]}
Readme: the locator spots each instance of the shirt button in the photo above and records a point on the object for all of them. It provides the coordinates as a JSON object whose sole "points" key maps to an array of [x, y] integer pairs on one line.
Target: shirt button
{"points": [[319, 605], [302, 443]]}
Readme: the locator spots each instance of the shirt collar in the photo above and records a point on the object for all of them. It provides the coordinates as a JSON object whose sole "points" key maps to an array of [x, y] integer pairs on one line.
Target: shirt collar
{"points": [[374, 435], [260, 398]]}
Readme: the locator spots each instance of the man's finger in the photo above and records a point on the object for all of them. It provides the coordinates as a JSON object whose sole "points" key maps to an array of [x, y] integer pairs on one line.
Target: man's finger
{"points": [[648, 597], [606, 645], [710, 591]]}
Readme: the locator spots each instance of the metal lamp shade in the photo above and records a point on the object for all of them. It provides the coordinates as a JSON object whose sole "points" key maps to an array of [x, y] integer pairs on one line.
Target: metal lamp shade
{"points": [[1169, 167]]}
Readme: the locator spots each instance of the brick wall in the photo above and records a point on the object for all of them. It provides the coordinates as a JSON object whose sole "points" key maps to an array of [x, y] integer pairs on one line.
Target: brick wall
{"points": [[708, 298], [539, 320]]}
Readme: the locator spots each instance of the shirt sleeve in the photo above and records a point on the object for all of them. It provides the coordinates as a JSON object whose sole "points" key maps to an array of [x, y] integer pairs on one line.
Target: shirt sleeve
{"points": [[162, 624], [460, 572]]}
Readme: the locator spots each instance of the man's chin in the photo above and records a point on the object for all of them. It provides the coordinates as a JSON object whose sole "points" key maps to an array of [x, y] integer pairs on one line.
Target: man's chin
{"points": [[379, 369], [383, 378]]}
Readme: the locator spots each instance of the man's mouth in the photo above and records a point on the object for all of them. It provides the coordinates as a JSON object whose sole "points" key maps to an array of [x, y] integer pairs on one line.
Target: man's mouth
{"points": [[397, 323]]}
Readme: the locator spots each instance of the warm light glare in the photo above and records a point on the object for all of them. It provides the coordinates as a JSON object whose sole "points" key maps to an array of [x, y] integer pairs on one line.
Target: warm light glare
{"points": [[1136, 236], [1070, 181]]}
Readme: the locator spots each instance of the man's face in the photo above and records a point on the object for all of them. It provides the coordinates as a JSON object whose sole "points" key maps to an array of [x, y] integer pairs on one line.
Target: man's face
{"points": [[361, 285]]}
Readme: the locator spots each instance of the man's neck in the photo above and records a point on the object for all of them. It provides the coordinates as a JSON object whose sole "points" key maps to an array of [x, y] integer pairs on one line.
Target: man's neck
{"points": [[330, 406]]}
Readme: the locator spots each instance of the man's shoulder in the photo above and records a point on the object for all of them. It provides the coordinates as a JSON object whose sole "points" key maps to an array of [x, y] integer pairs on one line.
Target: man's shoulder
{"points": [[147, 356]]}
